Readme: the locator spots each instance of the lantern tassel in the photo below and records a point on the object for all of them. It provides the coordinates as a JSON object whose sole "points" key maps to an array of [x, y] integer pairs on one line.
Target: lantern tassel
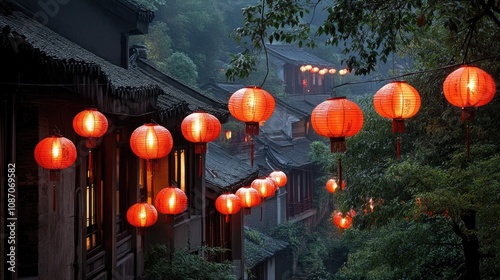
{"points": [[90, 168], [227, 218], [467, 138], [200, 163], [54, 197], [251, 150], [398, 147], [340, 173]]}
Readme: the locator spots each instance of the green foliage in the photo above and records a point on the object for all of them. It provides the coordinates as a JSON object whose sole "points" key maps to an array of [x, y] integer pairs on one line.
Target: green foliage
{"points": [[367, 31], [158, 44], [182, 67], [160, 263]]}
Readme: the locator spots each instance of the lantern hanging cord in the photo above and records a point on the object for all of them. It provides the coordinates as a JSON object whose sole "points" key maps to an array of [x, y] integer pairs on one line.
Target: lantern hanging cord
{"points": [[497, 57]]}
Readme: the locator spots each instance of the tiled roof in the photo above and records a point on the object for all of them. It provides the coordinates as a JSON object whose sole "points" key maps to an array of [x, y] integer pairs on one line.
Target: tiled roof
{"points": [[148, 93], [225, 171], [259, 247], [297, 56], [285, 153]]}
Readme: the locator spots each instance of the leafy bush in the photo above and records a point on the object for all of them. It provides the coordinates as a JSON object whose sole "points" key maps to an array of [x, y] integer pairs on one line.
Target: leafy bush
{"points": [[162, 263]]}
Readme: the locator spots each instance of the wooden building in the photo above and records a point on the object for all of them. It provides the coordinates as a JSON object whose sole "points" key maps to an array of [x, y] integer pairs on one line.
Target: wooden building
{"points": [[301, 71], [58, 58]]}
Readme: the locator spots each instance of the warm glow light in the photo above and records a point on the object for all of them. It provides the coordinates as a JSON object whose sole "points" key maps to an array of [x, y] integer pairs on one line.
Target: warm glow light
{"points": [[56, 149], [90, 123], [266, 187], [397, 101], [332, 71], [249, 197], [228, 134], [171, 201], [469, 86], [142, 214], [332, 185], [228, 204], [337, 118], [303, 68], [279, 177], [55, 153], [200, 128], [151, 141], [251, 105]]}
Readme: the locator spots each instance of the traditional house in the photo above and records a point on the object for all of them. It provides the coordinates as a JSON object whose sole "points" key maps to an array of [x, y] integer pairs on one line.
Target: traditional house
{"points": [[225, 174], [53, 67], [301, 71], [266, 257]]}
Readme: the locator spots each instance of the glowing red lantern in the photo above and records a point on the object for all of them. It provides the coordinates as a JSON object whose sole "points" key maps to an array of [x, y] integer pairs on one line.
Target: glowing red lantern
{"points": [[342, 221], [171, 201], [55, 153], [332, 185], [251, 105], [337, 118], [142, 214], [228, 204], [200, 128], [469, 87], [397, 101], [151, 141], [249, 197], [279, 177], [266, 187], [90, 124]]}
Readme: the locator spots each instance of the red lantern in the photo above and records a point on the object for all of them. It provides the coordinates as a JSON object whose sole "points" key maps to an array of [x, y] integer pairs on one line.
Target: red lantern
{"points": [[249, 197], [266, 187], [397, 101], [228, 204], [279, 177], [332, 185], [151, 141], [469, 87], [342, 221], [55, 153], [337, 118], [90, 124], [200, 128], [251, 105], [171, 201], [142, 215]]}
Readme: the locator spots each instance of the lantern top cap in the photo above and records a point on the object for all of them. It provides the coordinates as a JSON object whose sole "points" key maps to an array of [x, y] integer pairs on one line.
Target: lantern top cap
{"points": [[339, 97], [151, 124], [255, 87]]}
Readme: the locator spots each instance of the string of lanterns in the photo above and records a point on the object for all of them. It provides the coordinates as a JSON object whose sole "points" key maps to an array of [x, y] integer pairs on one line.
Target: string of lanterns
{"points": [[336, 118]]}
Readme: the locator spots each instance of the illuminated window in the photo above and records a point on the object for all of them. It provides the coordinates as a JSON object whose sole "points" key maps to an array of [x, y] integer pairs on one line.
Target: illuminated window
{"points": [[93, 207], [180, 169]]}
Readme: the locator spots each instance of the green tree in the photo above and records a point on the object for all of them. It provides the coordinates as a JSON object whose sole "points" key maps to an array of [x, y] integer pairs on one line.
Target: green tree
{"points": [[160, 263], [182, 67], [367, 31]]}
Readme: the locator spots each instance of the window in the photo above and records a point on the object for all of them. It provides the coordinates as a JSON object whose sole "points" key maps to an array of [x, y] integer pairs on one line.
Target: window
{"points": [[93, 206]]}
